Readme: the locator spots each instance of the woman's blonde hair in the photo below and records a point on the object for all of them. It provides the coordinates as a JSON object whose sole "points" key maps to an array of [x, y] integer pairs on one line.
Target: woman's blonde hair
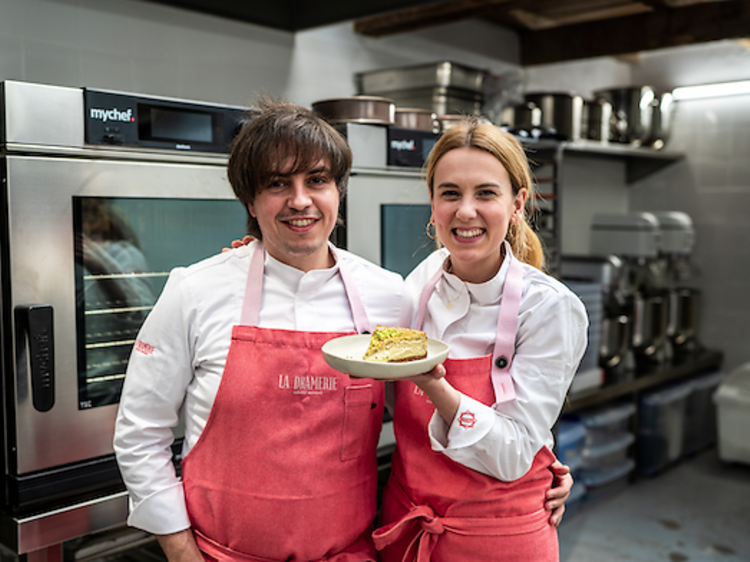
{"points": [[471, 133]]}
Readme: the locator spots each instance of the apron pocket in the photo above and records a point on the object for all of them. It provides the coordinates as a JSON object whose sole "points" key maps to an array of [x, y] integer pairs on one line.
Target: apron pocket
{"points": [[358, 408]]}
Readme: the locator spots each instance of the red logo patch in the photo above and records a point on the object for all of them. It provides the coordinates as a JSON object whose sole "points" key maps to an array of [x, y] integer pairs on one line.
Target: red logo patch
{"points": [[467, 420], [144, 348]]}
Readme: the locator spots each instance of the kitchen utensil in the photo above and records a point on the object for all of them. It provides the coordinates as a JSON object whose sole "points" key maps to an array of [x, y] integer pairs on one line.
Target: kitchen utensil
{"points": [[661, 122], [632, 113], [443, 74], [559, 111], [416, 118], [596, 117], [357, 109], [447, 121], [345, 355]]}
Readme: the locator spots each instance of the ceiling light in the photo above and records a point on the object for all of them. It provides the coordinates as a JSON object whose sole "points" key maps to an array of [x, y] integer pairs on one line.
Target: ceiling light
{"points": [[712, 90]]}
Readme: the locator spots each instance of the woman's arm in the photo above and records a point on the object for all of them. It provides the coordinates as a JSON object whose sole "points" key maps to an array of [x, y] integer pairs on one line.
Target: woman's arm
{"points": [[505, 437]]}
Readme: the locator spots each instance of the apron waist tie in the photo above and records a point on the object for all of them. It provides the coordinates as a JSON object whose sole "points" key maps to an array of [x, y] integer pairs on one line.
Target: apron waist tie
{"points": [[220, 552], [432, 526]]}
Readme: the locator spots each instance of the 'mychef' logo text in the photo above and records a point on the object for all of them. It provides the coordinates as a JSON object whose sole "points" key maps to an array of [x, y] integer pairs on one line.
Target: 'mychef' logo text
{"points": [[113, 114], [403, 144]]}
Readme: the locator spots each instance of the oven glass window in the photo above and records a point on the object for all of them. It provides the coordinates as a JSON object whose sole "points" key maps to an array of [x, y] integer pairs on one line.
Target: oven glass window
{"points": [[403, 237], [125, 249]]}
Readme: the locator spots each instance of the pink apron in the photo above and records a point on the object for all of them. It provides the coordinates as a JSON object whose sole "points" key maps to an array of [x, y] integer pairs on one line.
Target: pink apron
{"points": [[286, 466], [436, 509]]}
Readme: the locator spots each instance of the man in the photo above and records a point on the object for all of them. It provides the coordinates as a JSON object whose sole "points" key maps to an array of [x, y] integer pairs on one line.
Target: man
{"points": [[279, 450]]}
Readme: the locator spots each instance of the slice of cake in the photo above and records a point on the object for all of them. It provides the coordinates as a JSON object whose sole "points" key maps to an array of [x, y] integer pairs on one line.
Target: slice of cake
{"points": [[396, 345]]}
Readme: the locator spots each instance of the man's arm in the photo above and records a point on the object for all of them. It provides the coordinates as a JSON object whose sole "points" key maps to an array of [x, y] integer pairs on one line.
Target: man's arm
{"points": [[180, 547]]}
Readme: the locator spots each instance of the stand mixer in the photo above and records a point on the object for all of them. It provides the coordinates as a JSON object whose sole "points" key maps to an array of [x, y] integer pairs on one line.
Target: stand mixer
{"points": [[615, 355], [635, 238], [677, 241]]}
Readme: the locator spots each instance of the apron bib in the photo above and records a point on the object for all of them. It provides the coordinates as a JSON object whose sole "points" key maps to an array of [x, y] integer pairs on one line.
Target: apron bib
{"points": [[436, 509], [286, 466]]}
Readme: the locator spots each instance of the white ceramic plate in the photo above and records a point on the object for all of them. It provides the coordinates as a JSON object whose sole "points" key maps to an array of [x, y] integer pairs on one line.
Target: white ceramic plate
{"points": [[345, 355]]}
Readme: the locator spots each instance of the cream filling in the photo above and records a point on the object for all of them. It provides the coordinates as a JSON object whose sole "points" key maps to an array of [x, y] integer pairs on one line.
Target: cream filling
{"points": [[398, 351]]}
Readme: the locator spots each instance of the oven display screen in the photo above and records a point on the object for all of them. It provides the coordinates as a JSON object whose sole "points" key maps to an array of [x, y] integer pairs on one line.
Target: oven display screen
{"points": [[163, 124], [125, 249]]}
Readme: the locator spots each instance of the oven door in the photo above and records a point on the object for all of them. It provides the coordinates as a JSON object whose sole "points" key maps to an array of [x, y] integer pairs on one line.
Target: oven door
{"points": [[387, 214], [90, 243]]}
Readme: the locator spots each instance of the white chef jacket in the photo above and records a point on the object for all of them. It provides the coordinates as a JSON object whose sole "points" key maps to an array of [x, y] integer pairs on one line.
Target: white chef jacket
{"points": [[179, 358], [551, 339]]}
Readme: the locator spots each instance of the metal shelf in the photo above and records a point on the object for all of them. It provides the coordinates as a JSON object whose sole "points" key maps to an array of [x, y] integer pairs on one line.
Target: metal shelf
{"points": [[694, 365], [640, 162]]}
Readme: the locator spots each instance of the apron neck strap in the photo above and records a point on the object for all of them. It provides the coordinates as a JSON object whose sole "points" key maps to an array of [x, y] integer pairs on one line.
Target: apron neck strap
{"points": [[507, 324], [254, 293]]}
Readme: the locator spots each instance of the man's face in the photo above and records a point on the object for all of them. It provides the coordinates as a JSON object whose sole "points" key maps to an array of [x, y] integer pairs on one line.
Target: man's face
{"points": [[296, 214]]}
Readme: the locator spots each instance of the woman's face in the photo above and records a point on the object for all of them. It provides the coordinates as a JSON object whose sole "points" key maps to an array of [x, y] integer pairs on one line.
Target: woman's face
{"points": [[472, 205]]}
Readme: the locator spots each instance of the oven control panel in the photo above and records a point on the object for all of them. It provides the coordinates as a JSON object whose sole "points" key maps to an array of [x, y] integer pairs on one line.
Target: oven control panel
{"points": [[118, 119]]}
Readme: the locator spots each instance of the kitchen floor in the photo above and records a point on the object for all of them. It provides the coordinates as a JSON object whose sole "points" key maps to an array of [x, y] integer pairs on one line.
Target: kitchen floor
{"points": [[697, 511]]}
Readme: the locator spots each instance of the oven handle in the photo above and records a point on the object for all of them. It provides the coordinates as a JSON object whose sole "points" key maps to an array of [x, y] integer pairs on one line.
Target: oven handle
{"points": [[36, 339]]}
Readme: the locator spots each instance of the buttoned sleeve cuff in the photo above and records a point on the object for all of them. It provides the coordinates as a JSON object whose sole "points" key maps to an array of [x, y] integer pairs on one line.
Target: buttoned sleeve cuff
{"points": [[472, 423], [162, 512]]}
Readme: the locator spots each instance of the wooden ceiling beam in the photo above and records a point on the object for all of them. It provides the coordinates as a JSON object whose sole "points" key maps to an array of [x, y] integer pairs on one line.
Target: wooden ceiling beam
{"points": [[420, 17], [695, 23]]}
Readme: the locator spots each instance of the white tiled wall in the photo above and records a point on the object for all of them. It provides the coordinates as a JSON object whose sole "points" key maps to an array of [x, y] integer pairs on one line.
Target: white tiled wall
{"points": [[712, 184]]}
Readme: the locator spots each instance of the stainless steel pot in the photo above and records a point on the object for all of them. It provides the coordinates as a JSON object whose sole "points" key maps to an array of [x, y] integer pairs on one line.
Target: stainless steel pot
{"points": [[523, 115], [661, 121], [445, 122], [560, 111], [597, 115], [357, 109], [632, 113], [415, 118]]}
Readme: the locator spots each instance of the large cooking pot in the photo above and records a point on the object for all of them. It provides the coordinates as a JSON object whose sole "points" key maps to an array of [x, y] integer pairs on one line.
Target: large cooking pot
{"points": [[416, 118], [597, 115], [524, 115], [560, 111], [357, 109], [632, 113], [661, 120]]}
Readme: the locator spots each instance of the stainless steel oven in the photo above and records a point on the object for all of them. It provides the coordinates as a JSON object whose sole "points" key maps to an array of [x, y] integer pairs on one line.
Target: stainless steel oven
{"points": [[103, 193]]}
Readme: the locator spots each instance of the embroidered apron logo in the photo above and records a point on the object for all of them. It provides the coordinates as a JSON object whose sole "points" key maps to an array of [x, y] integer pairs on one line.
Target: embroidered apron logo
{"points": [[467, 420], [308, 384]]}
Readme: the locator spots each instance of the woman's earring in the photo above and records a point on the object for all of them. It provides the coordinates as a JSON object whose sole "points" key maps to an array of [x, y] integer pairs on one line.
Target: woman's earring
{"points": [[430, 235]]}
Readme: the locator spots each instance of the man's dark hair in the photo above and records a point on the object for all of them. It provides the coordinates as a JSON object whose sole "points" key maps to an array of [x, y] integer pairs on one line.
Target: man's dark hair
{"points": [[277, 133]]}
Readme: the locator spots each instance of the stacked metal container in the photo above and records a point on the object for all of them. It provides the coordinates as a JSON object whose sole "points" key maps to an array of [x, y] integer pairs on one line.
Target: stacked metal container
{"points": [[445, 88]]}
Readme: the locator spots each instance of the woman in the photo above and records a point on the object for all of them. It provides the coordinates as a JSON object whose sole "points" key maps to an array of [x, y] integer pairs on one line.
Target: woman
{"points": [[472, 464]]}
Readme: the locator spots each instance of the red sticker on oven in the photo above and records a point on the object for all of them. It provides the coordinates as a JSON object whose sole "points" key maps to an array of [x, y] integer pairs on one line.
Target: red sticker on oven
{"points": [[144, 348], [467, 420]]}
